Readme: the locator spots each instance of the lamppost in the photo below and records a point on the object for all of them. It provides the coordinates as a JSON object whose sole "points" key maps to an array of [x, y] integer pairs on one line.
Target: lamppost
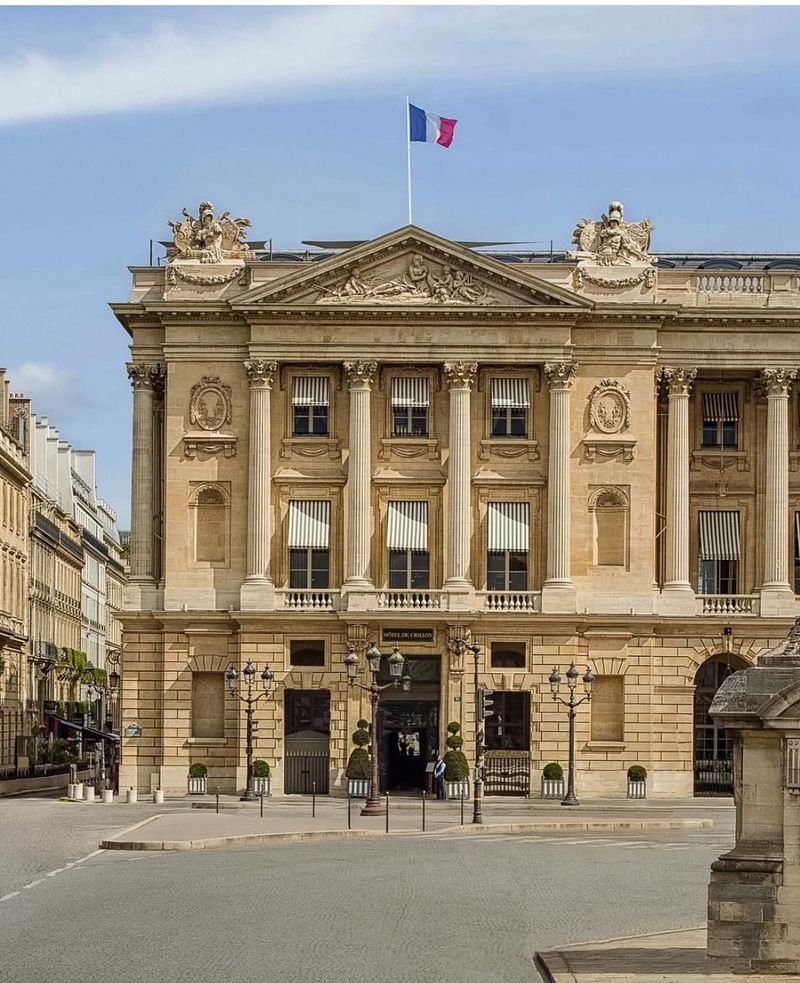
{"points": [[571, 704], [249, 673], [373, 806], [97, 695], [482, 711]]}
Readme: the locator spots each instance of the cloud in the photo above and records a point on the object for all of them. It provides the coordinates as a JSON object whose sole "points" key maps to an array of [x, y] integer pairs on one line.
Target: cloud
{"points": [[53, 390], [321, 51]]}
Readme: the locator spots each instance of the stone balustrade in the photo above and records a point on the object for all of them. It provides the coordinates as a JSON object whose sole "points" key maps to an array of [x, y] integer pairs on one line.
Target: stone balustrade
{"points": [[511, 600], [307, 600], [410, 600], [728, 604]]}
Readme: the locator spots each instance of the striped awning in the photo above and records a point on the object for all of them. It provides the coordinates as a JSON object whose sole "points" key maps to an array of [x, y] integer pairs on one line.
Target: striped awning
{"points": [[510, 393], [410, 392], [408, 526], [797, 534], [719, 535], [309, 524], [310, 390], [508, 526], [721, 407]]}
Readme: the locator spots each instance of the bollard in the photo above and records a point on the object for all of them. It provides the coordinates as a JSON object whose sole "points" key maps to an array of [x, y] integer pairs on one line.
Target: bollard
{"points": [[88, 793], [462, 807], [132, 796], [262, 805], [108, 796], [423, 810], [216, 792], [313, 800], [387, 812], [71, 790], [78, 791], [349, 819], [158, 796]]}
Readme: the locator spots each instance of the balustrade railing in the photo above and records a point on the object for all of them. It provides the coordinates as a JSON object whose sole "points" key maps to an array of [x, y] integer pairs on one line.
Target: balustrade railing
{"points": [[732, 283], [728, 603], [511, 600], [307, 600], [410, 600]]}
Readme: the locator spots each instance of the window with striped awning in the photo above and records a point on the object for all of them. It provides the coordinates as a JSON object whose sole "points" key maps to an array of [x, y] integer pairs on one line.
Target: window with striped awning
{"points": [[508, 527], [310, 390], [719, 535], [309, 524], [797, 534], [510, 393], [721, 407], [411, 391], [408, 526]]}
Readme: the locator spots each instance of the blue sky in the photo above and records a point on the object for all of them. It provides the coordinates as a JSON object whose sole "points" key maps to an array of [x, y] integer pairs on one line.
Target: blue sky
{"points": [[113, 119]]}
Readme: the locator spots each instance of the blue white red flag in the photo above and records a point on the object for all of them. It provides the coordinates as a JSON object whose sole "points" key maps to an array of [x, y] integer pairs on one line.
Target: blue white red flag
{"points": [[426, 128]]}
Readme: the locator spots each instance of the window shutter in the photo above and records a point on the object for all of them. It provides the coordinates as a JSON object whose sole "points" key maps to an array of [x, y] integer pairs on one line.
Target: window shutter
{"points": [[510, 393], [310, 390], [719, 535]]}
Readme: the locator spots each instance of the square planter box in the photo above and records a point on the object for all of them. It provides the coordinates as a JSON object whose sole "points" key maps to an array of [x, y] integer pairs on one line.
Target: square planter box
{"points": [[456, 790], [358, 788], [637, 790], [198, 786], [552, 788], [261, 786]]}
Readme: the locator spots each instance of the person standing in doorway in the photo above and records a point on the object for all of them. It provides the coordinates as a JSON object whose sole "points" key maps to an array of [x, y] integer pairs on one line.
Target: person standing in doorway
{"points": [[438, 776]]}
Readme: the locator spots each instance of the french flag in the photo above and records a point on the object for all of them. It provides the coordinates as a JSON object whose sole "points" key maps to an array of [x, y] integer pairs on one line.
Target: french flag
{"points": [[426, 128]]}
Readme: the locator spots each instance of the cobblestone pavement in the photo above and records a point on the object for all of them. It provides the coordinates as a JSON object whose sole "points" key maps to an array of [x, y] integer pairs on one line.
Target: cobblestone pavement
{"points": [[395, 910]]}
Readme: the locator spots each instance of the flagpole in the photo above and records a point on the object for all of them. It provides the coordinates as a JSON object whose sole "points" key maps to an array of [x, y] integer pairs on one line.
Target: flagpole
{"points": [[408, 149]]}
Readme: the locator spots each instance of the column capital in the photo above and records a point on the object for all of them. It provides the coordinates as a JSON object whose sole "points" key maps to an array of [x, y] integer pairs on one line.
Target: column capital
{"points": [[460, 375], [777, 382], [260, 372], [360, 375], [678, 379], [560, 375], [146, 376]]}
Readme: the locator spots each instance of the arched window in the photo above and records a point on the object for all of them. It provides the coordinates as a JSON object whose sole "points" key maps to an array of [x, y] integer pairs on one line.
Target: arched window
{"points": [[609, 508], [210, 525]]}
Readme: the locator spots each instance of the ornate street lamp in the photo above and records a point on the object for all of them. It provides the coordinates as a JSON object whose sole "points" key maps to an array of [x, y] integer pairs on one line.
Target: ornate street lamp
{"points": [[250, 697], [571, 704], [373, 806], [481, 712]]}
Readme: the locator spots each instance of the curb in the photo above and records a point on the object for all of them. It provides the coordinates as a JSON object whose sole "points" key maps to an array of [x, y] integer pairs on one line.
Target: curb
{"points": [[107, 844], [316, 836]]}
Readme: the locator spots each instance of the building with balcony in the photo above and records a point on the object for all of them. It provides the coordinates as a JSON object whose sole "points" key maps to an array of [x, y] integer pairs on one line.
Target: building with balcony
{"points": [[587, 456]]}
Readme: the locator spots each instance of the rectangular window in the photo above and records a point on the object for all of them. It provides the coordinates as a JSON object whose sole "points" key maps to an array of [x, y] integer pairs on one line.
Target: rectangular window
{"points": [[310, 403], [509, 727], [719, 551], [721, 420], [797, 552], [607, 708], [410, 402], [309, 568], [307, 653], [508, 655], [509, 421], [719, 577], [208, 704], [410, 421], [310, 421], [409, 570], [506, 570]]}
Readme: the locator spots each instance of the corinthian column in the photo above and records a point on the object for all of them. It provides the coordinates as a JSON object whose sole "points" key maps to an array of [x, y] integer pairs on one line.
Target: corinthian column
{"points": [[678, 382], [777, 385], [144, 380], [359, 382], [460, 378], [257, 590], [559, 381]]}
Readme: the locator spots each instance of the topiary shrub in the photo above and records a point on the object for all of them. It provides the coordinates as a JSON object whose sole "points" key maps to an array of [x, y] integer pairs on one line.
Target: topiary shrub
{"points": [[358, 764], [456, 766], [637, 773], [260, 769], [553, 772], [198, 770]]}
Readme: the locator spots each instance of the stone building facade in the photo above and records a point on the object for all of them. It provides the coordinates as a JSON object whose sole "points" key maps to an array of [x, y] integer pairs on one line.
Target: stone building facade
{"points": [[589, 456]]}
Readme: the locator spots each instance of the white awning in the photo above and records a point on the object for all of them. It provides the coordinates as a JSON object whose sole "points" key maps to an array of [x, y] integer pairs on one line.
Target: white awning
{"points": [[410, 392], [721, 407], [309, 524], [408, 526], [310, 390], [508, 526], [719, 535], [797, 534], [511, 393]]}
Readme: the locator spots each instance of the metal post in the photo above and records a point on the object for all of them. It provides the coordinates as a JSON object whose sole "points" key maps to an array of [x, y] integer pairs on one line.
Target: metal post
{"points": [[217, 792], [462, 806], [570, 799], [262, 805], [349, 819], [387, 812], [423, 810], [477, 793], [313, 800], [373, 806], [249, 793]]}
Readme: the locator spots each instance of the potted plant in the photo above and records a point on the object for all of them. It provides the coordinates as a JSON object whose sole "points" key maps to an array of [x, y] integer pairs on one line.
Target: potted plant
{"points": [[456, 768], [637, 782], [261, 777], [553, 781], [198, 779], [358, 765]]}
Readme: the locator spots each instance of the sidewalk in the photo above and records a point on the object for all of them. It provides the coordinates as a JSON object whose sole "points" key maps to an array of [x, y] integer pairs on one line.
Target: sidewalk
{"points": [[668, 956], [184, 826]]}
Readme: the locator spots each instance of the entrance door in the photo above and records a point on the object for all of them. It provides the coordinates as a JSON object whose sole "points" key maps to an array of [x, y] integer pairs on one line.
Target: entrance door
{"points": [[306, 743], [409, 732], [713, 764]]}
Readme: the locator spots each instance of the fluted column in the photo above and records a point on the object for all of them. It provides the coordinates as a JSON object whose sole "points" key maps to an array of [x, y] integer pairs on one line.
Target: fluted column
{"points": [[460, 378], [144, 380], [360, 376], [777, 385], [678, 382], [257, 590], [559, 381]]}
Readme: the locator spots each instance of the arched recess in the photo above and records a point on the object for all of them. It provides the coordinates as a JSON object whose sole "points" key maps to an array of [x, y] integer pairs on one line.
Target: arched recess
{"points": [[209, 512], [610, 510], [713, 758]]}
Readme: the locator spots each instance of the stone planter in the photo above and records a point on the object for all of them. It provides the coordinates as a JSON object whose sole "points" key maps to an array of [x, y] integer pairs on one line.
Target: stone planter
{"points": [[198, 786], [637, 790], [358, 788], [553, 788], [456, 790], [261, 785]]}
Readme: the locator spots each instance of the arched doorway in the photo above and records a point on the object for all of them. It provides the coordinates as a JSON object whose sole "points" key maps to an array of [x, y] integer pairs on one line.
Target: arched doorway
{"points": [[713, 762]]}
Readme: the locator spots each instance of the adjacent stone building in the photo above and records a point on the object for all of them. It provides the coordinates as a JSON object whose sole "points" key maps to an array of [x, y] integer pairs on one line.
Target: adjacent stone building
{"points": [[589, 456]]}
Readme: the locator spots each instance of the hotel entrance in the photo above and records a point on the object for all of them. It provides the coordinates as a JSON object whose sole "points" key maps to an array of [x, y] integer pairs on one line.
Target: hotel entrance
{"points": [[408, 725]]}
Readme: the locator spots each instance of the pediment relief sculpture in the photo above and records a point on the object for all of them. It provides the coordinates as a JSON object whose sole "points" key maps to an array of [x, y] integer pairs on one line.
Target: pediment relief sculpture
{"points": [[209, 238]]}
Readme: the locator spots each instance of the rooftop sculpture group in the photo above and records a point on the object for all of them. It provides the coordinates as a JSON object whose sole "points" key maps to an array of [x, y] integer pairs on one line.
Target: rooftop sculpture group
{"points": [[612, 241], [210, 238]]}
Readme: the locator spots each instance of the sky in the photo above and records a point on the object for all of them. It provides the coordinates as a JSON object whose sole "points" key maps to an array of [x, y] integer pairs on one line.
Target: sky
{"points": [[112, 119]]}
